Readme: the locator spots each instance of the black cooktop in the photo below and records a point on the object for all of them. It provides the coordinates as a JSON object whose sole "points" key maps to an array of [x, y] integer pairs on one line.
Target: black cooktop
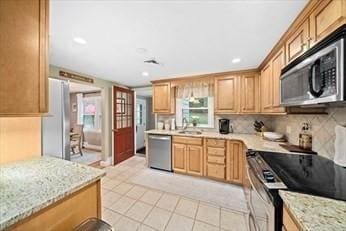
{"points": [[309, 174]]}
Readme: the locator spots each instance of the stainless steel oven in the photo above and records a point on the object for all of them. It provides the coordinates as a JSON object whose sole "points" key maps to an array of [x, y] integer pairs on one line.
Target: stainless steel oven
{"points": [[262, 210], [318, 76], [264, 203]]}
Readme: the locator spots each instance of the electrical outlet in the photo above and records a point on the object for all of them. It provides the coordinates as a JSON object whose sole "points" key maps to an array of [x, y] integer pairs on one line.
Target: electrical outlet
{"points": [[288, 129]]}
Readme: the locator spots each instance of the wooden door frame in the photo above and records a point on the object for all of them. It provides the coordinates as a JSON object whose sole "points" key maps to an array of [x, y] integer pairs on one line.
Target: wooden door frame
{"points": [[113, 119]]}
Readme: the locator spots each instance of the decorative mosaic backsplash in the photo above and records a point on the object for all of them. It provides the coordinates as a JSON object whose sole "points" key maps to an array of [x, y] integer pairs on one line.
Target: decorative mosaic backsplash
{"points": [[323, 134]]}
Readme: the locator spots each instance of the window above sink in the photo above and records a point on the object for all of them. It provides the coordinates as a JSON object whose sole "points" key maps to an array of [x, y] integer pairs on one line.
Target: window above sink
{"points": [[199, 109]]}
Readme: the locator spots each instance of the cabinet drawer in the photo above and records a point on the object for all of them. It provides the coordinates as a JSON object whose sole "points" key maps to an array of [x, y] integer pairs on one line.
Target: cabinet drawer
{"points": [[187, 140], [216, 151], [216, 171], [216, 143], [216, 159]]}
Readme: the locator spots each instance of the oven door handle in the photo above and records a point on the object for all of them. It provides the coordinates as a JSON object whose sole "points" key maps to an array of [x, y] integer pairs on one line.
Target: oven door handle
{"points": [[254, 188], [254, 225]]}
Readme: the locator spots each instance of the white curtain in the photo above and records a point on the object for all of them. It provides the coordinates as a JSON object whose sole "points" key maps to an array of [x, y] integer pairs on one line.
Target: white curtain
{"points": [[197, 90], [79, 108]]}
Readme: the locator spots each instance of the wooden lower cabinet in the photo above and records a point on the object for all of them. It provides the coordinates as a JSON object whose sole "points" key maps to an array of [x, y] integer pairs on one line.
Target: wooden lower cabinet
{"points": [[179, 157], [194, 160], [235, 162], [218, 159], [187, 158], [67, 213]]}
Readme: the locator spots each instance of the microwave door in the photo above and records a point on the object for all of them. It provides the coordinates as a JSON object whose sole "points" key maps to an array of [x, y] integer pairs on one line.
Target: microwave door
{"points": [[295, 86]]}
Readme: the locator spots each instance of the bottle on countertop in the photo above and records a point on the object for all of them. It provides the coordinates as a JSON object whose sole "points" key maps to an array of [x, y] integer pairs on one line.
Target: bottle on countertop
{"points": [[305, 137]]}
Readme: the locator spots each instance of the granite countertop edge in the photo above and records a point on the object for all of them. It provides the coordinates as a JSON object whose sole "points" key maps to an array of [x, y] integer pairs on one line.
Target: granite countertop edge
{"points": [[314, 213], [98, 174]]}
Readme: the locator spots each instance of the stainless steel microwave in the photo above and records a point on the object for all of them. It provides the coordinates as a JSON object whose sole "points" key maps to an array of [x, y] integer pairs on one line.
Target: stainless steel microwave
{"points": [[318, 77]]}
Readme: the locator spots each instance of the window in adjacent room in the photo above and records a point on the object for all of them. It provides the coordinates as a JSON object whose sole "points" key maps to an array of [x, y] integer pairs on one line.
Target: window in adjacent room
{"points": [[92, 113]]}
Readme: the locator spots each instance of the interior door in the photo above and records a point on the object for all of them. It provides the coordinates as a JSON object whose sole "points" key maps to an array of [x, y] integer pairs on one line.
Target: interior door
{"points": [[123, 129], [141, 110]]}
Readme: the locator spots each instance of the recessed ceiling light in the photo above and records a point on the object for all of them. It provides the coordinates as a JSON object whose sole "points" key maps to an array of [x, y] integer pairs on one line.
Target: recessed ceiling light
{"points": [[144, 73], [141, 50], [79, 40], [236, 60]]}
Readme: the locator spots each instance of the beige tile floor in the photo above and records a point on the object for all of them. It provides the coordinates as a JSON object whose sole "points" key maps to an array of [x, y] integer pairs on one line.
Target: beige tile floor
{"points": [[128, 206]]}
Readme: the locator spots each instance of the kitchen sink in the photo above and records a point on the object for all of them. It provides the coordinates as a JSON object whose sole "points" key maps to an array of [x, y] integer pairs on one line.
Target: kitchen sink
{"points": [[190, 132]]}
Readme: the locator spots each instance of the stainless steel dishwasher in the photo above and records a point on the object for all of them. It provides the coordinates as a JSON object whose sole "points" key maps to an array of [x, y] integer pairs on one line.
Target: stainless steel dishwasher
{"points": [[160, 154]]}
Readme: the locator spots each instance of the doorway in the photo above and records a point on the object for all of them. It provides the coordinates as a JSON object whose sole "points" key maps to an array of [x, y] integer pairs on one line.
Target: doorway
{"points": [[141, 111], [145, 119], [86, 117]]}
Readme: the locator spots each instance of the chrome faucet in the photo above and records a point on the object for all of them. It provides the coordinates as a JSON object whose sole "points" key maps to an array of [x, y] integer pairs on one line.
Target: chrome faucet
{"points": [[185, 123]]}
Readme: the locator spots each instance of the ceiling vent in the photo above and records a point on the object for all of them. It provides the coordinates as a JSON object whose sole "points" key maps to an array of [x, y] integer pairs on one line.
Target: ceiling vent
{"points": [[153, 61]]}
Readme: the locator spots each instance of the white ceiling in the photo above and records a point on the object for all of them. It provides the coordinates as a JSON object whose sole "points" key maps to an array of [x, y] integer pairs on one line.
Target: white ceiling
{"points": [[188, 37], [76, 87]]}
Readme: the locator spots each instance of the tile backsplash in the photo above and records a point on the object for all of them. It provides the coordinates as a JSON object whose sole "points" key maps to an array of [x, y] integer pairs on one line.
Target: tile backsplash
{"points": [[323, 126], [323, 134]]}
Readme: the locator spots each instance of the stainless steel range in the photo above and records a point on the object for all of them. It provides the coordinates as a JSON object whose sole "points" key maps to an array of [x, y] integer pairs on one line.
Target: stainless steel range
{"points": [[304, 173], [264, 201]]}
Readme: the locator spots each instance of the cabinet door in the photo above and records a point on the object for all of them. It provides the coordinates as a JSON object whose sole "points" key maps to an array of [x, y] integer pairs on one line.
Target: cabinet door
{"points": [[266, 88], [227, 94], [250, 93], [328, 16], [163, 98], [23, 57], [235, 163], [195, 160], [278, 63], [179, 157], [297, 43]]}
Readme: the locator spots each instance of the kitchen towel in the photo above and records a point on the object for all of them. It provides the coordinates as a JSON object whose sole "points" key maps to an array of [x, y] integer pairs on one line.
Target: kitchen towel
{"points": [[340, 146]]}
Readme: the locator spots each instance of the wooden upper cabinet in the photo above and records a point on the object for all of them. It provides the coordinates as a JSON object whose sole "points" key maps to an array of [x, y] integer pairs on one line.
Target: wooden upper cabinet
{"points": [[325, 18], [195, 160], [179, 157], [266, 88], [250, 102], [235, 164], [23, 57], [278, 62], [163, 98], [227, 94], [297, 43]]}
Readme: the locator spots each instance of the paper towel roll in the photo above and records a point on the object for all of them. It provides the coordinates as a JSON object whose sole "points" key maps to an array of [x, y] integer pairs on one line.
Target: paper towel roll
{"points": [[340, 146]]}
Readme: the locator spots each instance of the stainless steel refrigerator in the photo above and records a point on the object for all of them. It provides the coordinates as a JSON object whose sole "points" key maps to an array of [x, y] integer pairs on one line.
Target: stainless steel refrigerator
{"points": [[56, 125]]}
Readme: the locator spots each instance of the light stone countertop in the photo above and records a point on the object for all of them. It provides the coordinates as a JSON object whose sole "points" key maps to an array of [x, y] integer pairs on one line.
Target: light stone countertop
{"points": [[251, 141], [315, 213], [27, 187]]}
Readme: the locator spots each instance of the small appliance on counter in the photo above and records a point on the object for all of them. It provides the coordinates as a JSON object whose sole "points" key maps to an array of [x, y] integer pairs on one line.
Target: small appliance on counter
{"points": [[340, 145], [224, 126]]}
